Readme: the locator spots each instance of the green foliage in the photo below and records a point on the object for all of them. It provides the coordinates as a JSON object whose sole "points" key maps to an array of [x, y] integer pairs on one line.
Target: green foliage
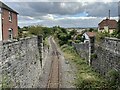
{"points": [[113, 79], [6, 82], [73, 32], [35, 30], [94, 56], [25, 28], [77, 41], [86, 78], [19, 32], [101, 35], [69, 42], [64, 37], [45, 42], [116, 33], [118, 36], [80, 38], [91, 30]]}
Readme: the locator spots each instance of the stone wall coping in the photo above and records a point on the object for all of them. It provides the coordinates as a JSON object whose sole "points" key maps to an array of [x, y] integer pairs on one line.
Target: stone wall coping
{"points": [[15, 40], [110, 38]]}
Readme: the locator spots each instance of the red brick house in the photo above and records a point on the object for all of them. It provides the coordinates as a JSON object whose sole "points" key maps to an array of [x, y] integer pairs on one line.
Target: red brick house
{"points": [[8, 22], [108, 25]]}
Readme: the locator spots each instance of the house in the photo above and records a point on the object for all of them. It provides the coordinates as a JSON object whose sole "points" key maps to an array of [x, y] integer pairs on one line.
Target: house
{"points": [[108, 25], [88, 36], [8, 23]]}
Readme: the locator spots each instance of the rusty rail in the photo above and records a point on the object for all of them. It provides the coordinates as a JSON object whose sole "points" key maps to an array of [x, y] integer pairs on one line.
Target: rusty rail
{"points": [[54, 75]]}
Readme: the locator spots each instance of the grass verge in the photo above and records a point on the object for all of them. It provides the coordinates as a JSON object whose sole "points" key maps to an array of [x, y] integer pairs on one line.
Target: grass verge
{"points": [[86, 78], [46, 42]]}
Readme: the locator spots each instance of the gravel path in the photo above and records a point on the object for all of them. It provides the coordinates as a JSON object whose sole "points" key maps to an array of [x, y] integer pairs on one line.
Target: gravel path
{"points": [[67, 70]]}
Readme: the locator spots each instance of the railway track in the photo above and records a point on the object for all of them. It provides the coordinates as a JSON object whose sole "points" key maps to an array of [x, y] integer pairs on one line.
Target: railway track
{"points": [[54, 75]]}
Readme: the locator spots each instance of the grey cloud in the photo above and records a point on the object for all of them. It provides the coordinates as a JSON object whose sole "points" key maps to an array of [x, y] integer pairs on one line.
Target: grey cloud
{"points": [[98, 9], [39, 9], [67, 22], [57, 7]]}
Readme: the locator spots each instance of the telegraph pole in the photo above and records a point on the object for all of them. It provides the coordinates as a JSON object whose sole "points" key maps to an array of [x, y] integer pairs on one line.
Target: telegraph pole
{"points": [[109, 14], [119, 10], [119, 17]]}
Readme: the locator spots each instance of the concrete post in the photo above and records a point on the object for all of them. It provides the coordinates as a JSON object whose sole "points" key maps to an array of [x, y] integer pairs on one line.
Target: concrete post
{"points": [[1, 64], [0, 25], [89, 52]]}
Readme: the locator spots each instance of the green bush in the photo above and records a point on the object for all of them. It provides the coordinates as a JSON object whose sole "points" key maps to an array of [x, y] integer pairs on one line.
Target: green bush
{"points": [[101, 35], [118, 36], [113, 79], [94, 56], [77, 41], [69, 42], [86, 78]]}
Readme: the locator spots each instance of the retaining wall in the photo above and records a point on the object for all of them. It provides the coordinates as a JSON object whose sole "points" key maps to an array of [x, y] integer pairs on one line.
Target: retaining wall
{"points": [[82, 49], [20, 63], [106, 55]]}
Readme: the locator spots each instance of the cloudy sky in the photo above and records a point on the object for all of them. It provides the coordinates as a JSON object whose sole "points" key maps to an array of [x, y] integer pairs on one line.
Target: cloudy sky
{"points": [[75, 13]]}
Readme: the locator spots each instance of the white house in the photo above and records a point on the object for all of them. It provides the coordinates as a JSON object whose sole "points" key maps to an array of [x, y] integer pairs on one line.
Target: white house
{"points": [[0, 25], [89, 37]]}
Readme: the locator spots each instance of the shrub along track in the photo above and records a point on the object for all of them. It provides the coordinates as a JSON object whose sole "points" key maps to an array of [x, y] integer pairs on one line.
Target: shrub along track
{"points": [[54, 75]]}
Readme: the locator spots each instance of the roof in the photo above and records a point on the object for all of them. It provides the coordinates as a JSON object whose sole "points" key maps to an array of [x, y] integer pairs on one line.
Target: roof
{"points": [[4, 6], [91, 34], [111, 23]]}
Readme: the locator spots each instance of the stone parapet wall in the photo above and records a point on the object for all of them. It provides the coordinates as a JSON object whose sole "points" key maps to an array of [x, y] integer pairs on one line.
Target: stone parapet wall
{"points": [[106, 55], [20, 63], [82, 49]]}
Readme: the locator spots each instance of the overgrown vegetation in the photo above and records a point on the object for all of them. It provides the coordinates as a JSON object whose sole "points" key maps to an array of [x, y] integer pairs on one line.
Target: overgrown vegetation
{"points": [[113, 78], [64, 36], [6, 82], [101, 35], [35, 30], [86, 79]]}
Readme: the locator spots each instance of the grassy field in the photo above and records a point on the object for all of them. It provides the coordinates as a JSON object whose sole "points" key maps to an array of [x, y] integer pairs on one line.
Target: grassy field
{"points": [[86, 78]]}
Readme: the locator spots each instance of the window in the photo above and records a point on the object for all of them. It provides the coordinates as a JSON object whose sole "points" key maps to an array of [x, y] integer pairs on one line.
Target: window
{"points": [[10, 16], [10, 33]]}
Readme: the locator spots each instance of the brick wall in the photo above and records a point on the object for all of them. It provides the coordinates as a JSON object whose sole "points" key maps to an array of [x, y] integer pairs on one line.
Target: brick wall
{"points": [[7, 24]]}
